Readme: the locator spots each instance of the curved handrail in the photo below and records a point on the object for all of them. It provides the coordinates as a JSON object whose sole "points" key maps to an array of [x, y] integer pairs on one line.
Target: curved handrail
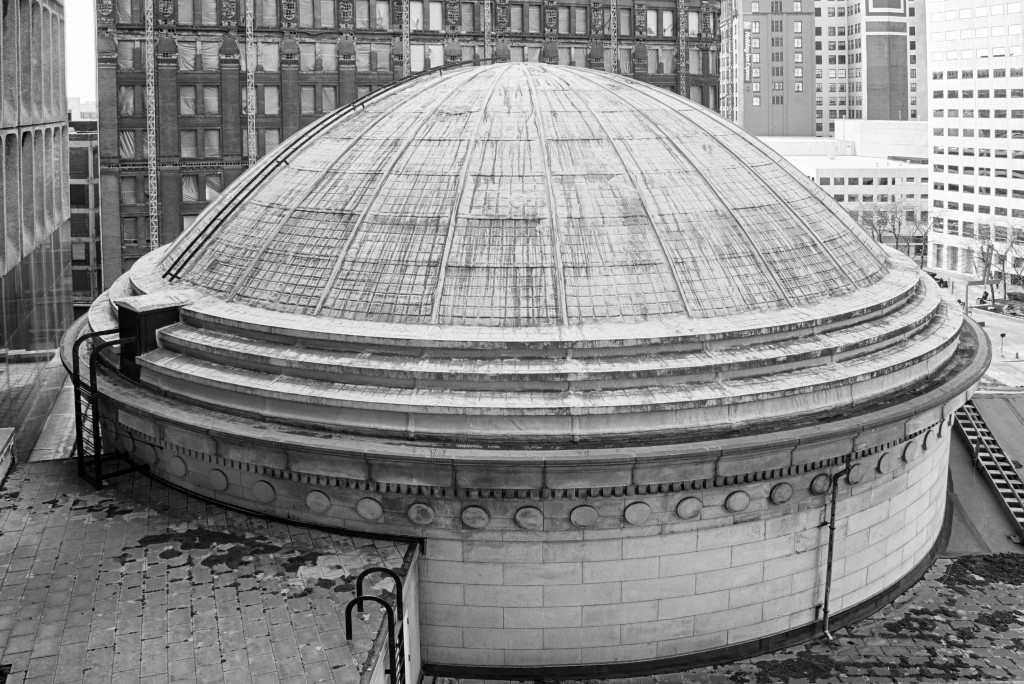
{"points": [[391, 626], [398, 586], [289, 149]]}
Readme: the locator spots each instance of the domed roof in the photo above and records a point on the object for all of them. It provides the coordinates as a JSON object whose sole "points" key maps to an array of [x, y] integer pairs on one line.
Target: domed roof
{"points": [[525, 196]]}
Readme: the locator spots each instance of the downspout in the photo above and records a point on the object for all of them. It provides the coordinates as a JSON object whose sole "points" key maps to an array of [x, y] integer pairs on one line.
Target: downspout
{"points": [[831, 546]]}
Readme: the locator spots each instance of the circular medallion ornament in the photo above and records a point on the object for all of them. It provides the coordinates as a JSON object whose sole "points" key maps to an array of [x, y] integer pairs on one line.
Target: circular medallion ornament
{"points": [[584, 516], [368, 509], [637, 513], [263, 491], [176, 466], [217, 480], [887, 463], [421, 514], [146, 453], [821, 484], [530, 518], [911, 451], [475, 517], [856, 474], [737, 501], [318, 502], [688, 508], [781, 493]]}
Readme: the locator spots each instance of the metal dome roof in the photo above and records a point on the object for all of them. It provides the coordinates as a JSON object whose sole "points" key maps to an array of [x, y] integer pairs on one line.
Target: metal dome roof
{"points": [[525, 196]]}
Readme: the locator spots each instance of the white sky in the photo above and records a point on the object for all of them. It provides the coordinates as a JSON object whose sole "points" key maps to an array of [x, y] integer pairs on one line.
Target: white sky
{"points": [[80, 35]]}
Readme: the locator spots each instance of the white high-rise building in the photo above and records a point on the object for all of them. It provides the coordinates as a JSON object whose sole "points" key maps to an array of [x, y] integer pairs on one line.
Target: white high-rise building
{"points": [[976, 139]]}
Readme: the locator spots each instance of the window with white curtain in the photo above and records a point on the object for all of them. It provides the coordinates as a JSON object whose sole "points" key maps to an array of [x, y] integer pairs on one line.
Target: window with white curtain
{"points": [[124, 11], [517, 19], [269, 56], [266, 11], [126, 100], [579, 56], [652, 22], [126, 51], [327, 15], [208, 12], [189, 144], [213, 186], [435, 54], [306, 13], [534, 16], [186, 55], [436, 16], [328, 99], [517, 53], [362, 57], [272, 100], [625, 26], [533, 53], [327, 53], [187, 220], [133, 189], [307, 100], [271, 139], [211, 100], [565, 56], [209, 53], [190, 188], [383, 53], [580, 20], [362, 14], [418, 56], [307, 56], [383, 15], [468, 23], [668, 23], [416, 15], [563, 20], [211, 142], [695, 62], [362, 91], [625, 60], [187, 101], [186, 12]]}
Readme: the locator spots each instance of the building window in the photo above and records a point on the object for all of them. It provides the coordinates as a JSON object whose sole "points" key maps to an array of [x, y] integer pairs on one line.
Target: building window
{"points": [[318, 57], [271, 101], [129, 55], [133, 190], [198, 55]]}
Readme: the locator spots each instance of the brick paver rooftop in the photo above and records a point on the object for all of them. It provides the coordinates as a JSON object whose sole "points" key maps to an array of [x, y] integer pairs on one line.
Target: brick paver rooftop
{"points": [[140, 583]]}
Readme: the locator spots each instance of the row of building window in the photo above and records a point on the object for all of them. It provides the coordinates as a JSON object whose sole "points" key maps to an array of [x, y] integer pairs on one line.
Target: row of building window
{"points": [[982, 208], [981, 73], [891, 180], [982, 133], [981, 94], [984, 231], [981, 152], [424, 15], [981, 113]]}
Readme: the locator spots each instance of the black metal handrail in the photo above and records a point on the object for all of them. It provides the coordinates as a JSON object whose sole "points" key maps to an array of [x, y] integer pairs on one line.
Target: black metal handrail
{"points": [[398, 586], [284, 153], [358, 600]]}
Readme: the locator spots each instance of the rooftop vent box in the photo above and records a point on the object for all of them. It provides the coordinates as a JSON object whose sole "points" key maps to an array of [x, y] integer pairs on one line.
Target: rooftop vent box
{"points": [[138, 320]]}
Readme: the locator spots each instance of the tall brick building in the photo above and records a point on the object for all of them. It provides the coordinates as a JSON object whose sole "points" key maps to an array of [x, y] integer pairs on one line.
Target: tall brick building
{"points": [[312, 56]]}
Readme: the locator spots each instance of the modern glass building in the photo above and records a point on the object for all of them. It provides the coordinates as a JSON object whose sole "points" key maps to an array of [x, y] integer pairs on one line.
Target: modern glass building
{"points": [[35, 287]]}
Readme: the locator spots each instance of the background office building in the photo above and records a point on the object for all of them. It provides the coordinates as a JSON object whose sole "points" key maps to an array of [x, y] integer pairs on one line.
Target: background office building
{"points": [[768, 65], [862, 60], [84, 170], [35, 269], [869, 61], [877, 171], [977, 138], [312, 56]]}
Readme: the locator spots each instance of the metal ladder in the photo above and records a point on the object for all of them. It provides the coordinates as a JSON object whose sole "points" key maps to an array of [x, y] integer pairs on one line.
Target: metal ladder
{"points": [[990, 458], [92, 461]]}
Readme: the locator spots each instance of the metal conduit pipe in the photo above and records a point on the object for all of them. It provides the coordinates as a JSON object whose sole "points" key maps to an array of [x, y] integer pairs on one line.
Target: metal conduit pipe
{"points": [[831, 545]]}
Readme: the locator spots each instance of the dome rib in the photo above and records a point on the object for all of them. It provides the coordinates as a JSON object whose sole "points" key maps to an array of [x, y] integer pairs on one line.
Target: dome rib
{"points": [[721, 200], [460, 191], [553, 225], [775, 194], [375, 193], [644, 199], [527, 196], [324, 173]]}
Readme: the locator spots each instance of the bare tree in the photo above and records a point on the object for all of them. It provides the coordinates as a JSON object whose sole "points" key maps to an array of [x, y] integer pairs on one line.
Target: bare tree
{"points": [[898, 223], [993, 248]]}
